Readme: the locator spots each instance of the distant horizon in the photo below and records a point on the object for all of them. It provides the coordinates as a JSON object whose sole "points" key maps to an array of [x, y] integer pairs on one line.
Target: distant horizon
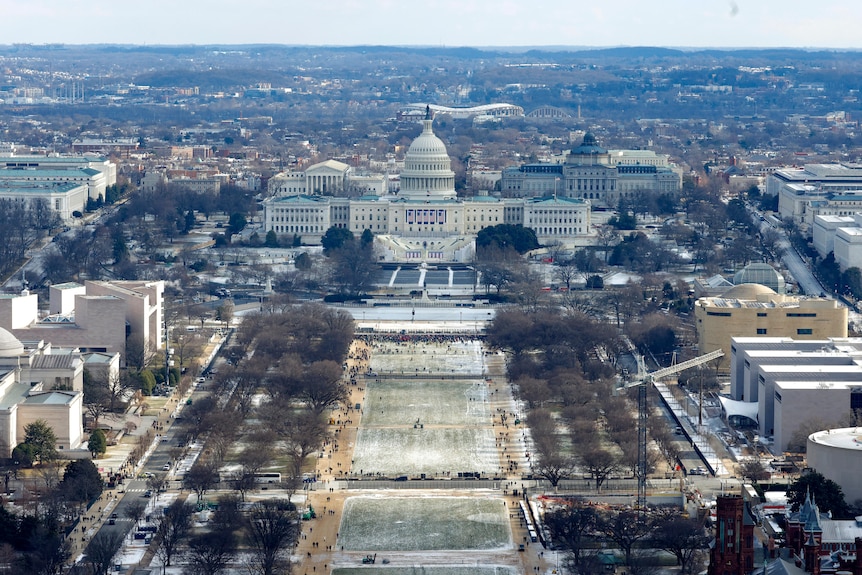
{"points": [[490, 48], [486, 24]]}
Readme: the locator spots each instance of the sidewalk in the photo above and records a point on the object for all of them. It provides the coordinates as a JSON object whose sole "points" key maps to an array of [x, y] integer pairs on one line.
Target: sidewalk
{"points": [[157, 418]]}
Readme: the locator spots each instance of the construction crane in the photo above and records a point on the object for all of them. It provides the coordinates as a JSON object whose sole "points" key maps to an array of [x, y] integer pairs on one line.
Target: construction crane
{"points": [[646, 379]]}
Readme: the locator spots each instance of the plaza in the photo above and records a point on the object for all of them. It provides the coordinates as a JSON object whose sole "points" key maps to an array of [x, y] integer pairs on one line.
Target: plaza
{"points": [[429, 404]]}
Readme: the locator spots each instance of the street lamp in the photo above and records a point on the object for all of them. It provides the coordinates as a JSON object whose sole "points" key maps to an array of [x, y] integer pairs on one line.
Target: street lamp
{"points": [[167, 353]]}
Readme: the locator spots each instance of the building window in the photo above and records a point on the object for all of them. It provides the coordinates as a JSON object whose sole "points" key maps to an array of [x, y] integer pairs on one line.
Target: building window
{"points": [[761, 331], [804, 331], [761, 314]]}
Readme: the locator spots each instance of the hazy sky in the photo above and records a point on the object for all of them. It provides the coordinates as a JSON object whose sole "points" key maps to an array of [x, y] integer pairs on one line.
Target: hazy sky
{"points": [[678, 23]]}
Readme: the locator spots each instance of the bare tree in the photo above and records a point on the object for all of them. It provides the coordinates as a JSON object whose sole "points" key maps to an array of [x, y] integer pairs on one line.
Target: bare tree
{"points": [[200, 478], [566, 271], [599, 463], [102, 549], [753, 470], [323, 386], [135, 510], [625, 529], [171, 528], [551, 461], [210, 553], [138, 352], [684, 537], [273, 529], [302, 434], [50, 472], [569, 525]]}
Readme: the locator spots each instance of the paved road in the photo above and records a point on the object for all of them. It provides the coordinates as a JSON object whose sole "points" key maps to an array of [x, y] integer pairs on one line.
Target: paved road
{"points": [[800, 271], [135, 489], [420, 314]]}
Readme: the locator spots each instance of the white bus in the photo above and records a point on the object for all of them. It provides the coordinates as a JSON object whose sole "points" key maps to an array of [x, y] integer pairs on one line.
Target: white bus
{"points": [[267, 477]]}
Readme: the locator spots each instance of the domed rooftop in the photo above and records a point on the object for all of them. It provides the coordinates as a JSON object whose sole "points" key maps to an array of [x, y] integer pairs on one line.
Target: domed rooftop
{"points": [[760, 273], [427, 169], [427, 144], [589, 146], [747, 292], [9, 344]]}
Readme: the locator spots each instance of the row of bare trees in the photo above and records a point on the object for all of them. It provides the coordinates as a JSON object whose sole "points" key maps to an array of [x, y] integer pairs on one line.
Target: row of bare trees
{"points": [[562, 366], [580, 529], [293, 355], [297, 363]]}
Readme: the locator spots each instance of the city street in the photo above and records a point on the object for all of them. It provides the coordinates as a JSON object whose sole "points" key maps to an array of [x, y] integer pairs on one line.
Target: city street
{"points": [[800, 271]]}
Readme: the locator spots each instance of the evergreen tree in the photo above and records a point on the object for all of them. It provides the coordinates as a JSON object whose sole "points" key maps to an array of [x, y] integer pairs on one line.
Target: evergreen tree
{"points": [[98, 443], [42, 440]]}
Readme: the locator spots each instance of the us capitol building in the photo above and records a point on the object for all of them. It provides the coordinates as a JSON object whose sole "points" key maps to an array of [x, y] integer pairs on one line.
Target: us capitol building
{"points": [[424, 221]]}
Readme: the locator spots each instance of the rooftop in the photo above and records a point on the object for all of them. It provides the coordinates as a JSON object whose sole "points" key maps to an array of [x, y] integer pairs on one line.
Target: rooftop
{"points": [[51, 397], [845, 438]]}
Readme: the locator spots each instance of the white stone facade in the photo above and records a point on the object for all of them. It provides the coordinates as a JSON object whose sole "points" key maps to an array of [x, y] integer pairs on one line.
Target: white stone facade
{"points": [[823, 232], [590, 172], [424, 212], [848, 247], [38, 382]]}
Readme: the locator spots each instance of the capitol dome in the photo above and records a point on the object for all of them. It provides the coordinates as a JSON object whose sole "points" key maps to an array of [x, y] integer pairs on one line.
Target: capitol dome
{"points": [[427, 172], [9, 344]]}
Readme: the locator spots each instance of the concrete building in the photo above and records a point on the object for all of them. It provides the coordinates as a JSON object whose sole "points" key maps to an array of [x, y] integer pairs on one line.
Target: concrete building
{"points": [[802, 395], [63, 183], [96, 317], [755, 310], [424, 221], [816, 189], [794, 382], [847, 247], [841, 235], [590, 172], [837, 453], [93, 162], [824, 229], [63, 198], [38, 381], [198, 185], [123, 147], [95, 172]]}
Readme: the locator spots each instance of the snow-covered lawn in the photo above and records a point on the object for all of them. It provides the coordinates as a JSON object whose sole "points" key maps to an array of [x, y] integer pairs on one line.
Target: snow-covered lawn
{"points": [[399, 451], [423, 524], [405, 403]]}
